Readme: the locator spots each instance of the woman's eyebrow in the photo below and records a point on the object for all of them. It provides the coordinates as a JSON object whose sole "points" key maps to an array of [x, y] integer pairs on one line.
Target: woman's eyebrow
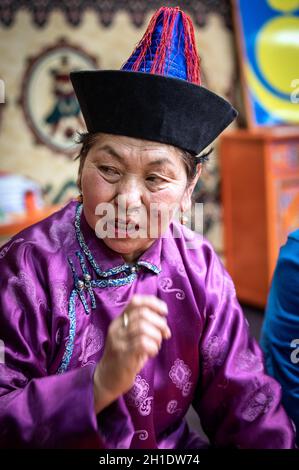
{"points": [[160, 161], [111, 151]]}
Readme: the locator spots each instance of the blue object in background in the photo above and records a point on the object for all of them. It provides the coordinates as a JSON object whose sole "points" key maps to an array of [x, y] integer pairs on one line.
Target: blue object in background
{"points": [[281, 327], [270, 59]]}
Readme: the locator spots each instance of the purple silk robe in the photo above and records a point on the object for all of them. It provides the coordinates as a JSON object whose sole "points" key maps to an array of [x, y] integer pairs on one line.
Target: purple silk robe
{"points": [[60, 288]]}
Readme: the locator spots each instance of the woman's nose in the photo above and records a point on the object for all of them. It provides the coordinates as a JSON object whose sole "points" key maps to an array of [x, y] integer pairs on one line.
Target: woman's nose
{"points": [[129, 195]]}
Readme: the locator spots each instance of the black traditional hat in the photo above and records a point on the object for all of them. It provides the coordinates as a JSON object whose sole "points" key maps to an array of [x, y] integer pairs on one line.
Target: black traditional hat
{"points": [[157, 94]]}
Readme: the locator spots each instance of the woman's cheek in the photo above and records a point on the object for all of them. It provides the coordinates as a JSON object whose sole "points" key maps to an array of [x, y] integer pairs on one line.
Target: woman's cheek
{"points": [[168, 196], [96, 190], [163, 206]]}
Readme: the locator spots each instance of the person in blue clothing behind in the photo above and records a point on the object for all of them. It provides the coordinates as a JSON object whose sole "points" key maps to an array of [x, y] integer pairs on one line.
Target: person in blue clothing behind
{"points": [[280, 332]]}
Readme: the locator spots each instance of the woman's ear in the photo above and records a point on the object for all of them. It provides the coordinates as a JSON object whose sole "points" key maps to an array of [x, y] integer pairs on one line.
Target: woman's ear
{"points": [[187, 197]]}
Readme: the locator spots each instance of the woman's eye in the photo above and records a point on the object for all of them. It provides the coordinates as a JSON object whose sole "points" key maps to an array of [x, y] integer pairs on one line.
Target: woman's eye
{"points": [[154, 179], [109, 171]]}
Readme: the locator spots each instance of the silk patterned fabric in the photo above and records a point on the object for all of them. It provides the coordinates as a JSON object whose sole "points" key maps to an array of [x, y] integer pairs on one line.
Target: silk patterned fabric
{"points": [[54, 334]]}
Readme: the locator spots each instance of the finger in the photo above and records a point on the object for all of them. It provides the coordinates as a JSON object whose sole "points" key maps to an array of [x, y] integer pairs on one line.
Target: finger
{"points": [[143, 327], [151, 317], [143, 345], [150, 301]]}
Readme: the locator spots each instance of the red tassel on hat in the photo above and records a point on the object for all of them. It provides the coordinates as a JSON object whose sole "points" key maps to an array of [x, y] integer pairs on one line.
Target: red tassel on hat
{"points": [[169, 16]]}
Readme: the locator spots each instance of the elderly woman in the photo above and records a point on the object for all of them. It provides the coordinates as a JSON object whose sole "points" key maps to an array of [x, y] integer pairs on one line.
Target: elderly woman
{"points": [[114, 321]]}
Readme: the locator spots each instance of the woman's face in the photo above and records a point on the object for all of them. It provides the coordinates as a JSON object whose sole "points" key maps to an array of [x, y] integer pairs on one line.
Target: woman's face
{"points": [[131, 188]]}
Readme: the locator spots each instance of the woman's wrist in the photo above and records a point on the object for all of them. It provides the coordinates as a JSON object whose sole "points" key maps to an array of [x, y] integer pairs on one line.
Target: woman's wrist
{"points": [[103, 397]]}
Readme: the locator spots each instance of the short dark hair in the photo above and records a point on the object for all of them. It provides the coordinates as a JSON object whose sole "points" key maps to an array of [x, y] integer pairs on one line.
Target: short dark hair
{"points": [[87, 139]]}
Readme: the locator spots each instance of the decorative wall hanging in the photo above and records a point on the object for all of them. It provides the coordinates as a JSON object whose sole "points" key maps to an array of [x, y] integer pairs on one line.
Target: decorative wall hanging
{"points": [[106, 10], [268, 39], [48, 100]]}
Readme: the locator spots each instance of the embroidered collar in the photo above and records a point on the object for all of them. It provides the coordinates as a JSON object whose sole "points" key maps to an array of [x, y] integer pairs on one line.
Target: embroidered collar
{"points": [[111, 262]]}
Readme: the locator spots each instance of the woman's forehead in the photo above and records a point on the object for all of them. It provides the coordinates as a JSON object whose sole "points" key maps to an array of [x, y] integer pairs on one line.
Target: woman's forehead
{"points": [[128, 145]]}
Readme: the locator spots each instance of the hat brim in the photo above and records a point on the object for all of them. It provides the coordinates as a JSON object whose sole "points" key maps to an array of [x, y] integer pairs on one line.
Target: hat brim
{"points": [[151, 107]]}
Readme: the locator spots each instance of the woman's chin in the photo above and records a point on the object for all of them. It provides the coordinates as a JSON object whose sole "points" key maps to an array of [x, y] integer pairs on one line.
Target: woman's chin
{"points": [[127, 245]]}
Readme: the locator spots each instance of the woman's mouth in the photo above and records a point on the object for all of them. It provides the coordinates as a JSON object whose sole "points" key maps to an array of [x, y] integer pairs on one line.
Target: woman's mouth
{"points": [[123, 228], [126, 224]]}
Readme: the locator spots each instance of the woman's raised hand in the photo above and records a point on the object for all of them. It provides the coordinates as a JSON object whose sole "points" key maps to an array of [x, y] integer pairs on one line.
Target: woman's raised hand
{"points": [[132, 339]]}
